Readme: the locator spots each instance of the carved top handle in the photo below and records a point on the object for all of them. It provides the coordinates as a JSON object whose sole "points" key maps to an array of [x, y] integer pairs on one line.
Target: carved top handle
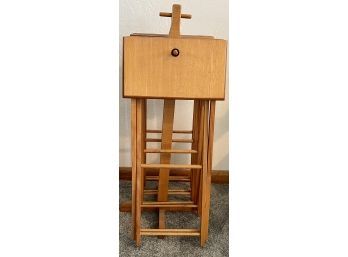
{"points": [[176, 15]]}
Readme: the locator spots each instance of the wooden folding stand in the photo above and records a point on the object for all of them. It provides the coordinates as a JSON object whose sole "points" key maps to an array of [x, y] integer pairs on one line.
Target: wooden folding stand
{"points": [[173, 67]]}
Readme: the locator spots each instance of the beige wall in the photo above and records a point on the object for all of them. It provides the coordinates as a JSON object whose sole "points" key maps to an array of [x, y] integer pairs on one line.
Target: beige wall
{"points": [[208, 18]]}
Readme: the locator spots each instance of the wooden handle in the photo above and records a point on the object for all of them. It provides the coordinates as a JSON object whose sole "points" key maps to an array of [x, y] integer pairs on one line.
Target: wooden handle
{"points": [[168, 14], [176, 16]]}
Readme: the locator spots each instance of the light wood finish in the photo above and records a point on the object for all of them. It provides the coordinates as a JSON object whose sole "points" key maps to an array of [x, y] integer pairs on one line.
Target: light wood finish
{"points": [[195, 124], [174, 131], [163, 207], [167, 203], [134, 156], [174, 31], [204, 178], [170, 232], [168, 14], [198, 176], [178, 140], [126, 207], [217, 176], [144, 117], [167, 134], [206, 203], [151, 71], [175, 178], [173, 67], [178, 151], [139, 177], [143, 139], [170, 192], [164, 167], [166, 35]]}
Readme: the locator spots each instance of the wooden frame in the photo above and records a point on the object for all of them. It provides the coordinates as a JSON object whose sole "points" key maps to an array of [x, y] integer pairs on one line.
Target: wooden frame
{"points": [[204, 89]]}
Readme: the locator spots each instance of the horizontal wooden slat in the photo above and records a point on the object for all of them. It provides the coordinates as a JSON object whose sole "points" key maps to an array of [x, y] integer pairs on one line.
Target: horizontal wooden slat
{"points": [[171, 178], [169, 232], [183, 15], [170, 192], [127, 207], [169, 206], [167, 203], [155, 150], [177, 140], [174, 131], [171, 166]]}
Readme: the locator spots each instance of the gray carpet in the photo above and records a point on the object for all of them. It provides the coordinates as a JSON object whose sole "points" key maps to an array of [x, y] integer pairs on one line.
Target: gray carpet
{"points": [[216, 246]]}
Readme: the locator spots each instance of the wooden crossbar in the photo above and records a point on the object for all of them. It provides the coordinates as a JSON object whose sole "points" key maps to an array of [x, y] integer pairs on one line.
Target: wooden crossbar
{"points": [[168, 14], [178, 140], [167, 203], [171, 166], [169, 206], [170, 192], [169, 232], [174, 131], [171, 178], [156, 150]]}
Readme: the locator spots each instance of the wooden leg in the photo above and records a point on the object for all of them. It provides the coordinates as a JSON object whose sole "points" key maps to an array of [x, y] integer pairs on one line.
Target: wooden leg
{"points": [[139, 184], [134, 159], [167, 132], [198, 199], [144, 108], [194, 147], [204, 177], [206, 206]]}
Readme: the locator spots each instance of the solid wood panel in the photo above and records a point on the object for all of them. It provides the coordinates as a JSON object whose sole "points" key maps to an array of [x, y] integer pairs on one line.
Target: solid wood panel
{"points": [[197, 73]]}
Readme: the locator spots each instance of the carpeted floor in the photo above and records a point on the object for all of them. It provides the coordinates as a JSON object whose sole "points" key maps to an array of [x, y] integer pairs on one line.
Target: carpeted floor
{"points": [[217, 244]]}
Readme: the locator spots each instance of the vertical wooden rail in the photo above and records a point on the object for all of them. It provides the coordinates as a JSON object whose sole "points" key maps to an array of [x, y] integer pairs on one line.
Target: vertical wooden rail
{"points": [[134, 159], [194, 147], [200, 155], [163, 181], [175, 25], [139, 185], [206, 204], [143, 138], [204, 177]]}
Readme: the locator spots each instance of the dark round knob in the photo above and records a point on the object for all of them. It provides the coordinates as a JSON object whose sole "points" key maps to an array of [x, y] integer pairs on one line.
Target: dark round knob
{"points": [[175, 52]]}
